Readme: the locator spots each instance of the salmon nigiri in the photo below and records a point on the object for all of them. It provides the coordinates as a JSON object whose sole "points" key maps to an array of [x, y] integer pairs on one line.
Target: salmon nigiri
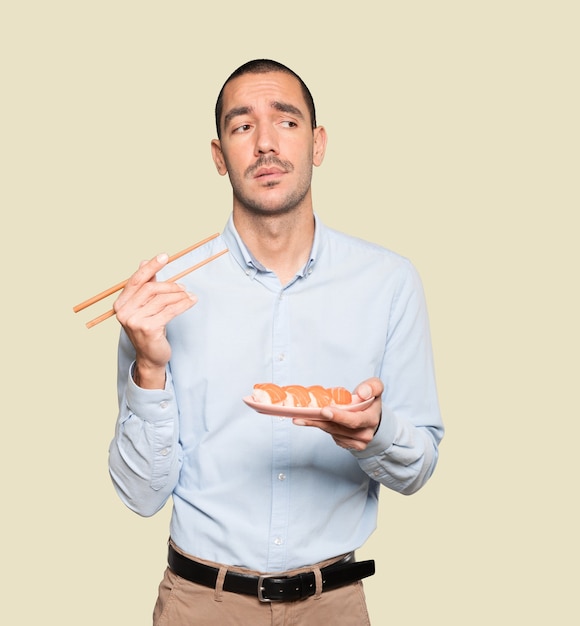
{"points": [[269, 393], [340, 395], [297, 395], [319, 395]]}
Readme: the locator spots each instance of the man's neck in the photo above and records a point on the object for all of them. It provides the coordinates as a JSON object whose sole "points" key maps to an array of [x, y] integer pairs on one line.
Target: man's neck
{"points": [[282, 243]]}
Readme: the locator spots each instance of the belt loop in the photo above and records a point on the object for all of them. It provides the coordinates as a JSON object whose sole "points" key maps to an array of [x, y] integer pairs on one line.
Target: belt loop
{"points": [[318, 581], [219, 584]]}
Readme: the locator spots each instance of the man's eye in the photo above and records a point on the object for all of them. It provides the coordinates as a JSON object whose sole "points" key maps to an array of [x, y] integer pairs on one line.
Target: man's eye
{"points": [[289, 124], [242, 129]]}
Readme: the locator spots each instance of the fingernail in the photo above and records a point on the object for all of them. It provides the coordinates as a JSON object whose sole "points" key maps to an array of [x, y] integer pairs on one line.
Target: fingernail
{"points": [[190, 295], [162, 258], [364, 392]]}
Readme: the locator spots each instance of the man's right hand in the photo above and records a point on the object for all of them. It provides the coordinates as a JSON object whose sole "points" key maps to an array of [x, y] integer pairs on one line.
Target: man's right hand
{"points": [[144, 308]]}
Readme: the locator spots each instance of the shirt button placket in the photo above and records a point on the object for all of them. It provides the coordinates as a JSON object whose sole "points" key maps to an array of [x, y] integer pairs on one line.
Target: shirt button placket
{"points": [[281, 439]]}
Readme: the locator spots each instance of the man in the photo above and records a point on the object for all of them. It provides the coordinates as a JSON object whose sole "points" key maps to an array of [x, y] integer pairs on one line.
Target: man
{"points": [[268, 511]]}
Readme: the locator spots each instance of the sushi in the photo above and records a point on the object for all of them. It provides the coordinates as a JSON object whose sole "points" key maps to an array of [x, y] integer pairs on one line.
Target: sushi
{"points": [[268, 393], [301, 396]]}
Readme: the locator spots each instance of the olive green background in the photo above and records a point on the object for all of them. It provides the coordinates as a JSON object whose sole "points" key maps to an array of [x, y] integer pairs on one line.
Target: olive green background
{"points": [[453, 139]]}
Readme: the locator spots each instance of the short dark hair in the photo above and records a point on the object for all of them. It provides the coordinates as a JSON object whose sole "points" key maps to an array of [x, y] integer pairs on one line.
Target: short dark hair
{"points": [[263, 66]]}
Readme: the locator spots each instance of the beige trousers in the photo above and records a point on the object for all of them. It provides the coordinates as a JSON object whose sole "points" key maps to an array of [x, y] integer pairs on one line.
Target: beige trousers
{"points": [[183, 603]]}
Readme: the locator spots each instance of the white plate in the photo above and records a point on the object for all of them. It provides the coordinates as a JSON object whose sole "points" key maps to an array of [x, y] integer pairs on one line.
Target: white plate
{"points": [[307, 412]]}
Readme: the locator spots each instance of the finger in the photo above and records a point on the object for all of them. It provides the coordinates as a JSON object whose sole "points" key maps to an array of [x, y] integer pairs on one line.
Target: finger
{"points": [[151, 324], [148, 269], [352, 420], [332, 420], [300, 421], [165, 303], [146, 272], [369, 388], [344, 436], [350, 444], [128, 302], [153, 291], [168, 304]]}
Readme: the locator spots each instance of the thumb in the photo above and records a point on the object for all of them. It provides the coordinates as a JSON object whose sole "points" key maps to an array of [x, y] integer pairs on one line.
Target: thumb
{"points": [[369, 388]]}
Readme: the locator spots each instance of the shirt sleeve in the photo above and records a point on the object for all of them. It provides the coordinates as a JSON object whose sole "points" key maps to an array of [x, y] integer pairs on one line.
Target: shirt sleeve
{"points": [[404, 452], [144, 456]]}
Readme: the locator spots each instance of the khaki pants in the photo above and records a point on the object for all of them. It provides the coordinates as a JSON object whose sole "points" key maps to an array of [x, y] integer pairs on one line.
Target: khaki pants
{"points": [[183, 603]]}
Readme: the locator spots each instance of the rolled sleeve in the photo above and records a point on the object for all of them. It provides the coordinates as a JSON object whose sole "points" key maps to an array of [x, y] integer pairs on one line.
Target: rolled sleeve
{"points": [[144, 455]]}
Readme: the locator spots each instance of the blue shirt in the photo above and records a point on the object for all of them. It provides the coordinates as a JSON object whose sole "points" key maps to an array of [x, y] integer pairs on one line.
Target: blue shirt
{"points": [[259, 491]]}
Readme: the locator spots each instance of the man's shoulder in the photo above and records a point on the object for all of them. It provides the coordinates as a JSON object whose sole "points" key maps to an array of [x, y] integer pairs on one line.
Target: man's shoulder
{"points": [[357, 247]]}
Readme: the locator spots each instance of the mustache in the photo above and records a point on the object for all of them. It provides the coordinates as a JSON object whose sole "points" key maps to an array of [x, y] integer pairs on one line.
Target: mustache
{"points": [[269, 161]]}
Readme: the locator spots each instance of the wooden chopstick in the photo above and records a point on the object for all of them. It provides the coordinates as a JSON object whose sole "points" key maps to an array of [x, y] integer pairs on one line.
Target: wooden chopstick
{"points": [[110, 313], [119, 286]]}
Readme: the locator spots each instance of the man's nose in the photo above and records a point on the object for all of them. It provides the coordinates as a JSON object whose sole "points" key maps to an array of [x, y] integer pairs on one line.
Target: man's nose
{"points": [[266, 140]]}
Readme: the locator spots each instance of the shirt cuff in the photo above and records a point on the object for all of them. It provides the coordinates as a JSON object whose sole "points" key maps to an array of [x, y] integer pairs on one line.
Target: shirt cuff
{"points": [[384, 437], [151, 405]]}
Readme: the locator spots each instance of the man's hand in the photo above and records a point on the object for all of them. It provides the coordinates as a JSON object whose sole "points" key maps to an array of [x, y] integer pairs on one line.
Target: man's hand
{"points": [[144, 308], [352, 430]]}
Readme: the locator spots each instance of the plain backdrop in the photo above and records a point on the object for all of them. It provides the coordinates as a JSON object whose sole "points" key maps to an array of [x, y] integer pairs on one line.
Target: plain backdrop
{"points": [[453, 139]]}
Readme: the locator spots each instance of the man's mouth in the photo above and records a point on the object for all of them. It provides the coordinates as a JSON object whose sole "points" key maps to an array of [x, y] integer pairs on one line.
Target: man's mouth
{"points": [[269, 168], [269, 172]]}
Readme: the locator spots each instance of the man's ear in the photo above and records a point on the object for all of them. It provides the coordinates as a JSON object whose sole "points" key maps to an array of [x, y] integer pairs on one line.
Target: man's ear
{"points": [[319, 145], [218, 157]]}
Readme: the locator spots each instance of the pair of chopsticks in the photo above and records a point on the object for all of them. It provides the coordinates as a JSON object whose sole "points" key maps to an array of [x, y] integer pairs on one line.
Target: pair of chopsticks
{"points": [[119, 286]]}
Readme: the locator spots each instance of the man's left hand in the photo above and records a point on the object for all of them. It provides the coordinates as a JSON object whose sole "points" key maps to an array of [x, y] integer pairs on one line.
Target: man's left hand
{"points": [[352, 430]]}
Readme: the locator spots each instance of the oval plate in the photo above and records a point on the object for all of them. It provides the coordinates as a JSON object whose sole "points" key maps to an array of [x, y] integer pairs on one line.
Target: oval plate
{"points": [[307, 412]]}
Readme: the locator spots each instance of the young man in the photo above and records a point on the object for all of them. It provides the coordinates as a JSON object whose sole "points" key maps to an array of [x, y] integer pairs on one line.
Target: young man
{"points": [[268, 511]]}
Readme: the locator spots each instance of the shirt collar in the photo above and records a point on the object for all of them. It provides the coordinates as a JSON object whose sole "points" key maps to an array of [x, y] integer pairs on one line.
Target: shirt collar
{"points": [[251, 265]]}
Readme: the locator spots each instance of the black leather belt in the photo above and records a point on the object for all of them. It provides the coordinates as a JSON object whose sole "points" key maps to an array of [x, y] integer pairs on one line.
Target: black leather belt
{"points": [[271, 588]]}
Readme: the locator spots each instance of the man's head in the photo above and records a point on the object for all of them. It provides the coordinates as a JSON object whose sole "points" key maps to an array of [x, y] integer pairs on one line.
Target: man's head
{"points": [[263, 66], [268, 139]]}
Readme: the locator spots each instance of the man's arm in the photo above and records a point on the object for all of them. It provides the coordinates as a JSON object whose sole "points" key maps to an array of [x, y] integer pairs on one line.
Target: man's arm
{"points": [[145, 456], [396, 439]]}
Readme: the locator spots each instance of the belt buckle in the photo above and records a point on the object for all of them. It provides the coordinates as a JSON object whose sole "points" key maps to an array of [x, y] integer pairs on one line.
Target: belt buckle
{"points": [[261, 596]]}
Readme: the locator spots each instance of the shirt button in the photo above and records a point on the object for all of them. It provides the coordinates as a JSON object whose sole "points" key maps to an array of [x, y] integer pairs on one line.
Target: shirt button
{"points": [[164, 452], [163, 404], [281, 476], [278, 541], [281, 356]]}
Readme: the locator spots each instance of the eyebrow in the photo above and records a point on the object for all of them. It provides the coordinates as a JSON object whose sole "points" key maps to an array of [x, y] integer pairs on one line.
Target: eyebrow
{"points": [[283, 107]]}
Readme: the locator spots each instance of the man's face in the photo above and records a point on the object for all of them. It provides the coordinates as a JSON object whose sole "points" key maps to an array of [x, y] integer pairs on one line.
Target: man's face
{"points": [[268, 146]]}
